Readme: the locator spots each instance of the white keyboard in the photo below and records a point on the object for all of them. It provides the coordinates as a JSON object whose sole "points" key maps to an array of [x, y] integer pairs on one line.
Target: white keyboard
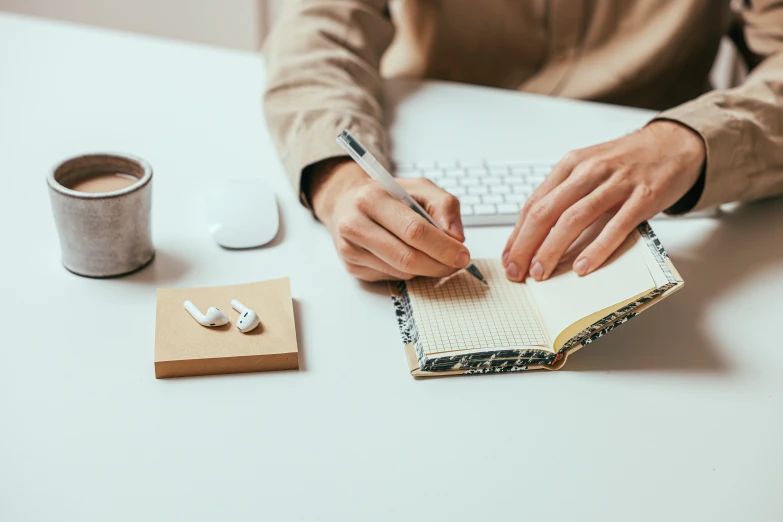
{"points": [[489, 193], [493, 193]]}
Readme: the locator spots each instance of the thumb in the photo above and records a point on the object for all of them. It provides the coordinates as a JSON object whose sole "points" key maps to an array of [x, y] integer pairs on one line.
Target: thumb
{"points": [[442, 206]]}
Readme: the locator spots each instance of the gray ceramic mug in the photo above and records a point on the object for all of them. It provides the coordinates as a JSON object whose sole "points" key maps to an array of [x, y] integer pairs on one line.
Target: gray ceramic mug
{"points": [[103, 234]]}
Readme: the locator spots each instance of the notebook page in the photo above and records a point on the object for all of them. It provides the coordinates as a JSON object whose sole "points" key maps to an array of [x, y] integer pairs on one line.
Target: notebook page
{"points": [[565, 297], [461, 313]]}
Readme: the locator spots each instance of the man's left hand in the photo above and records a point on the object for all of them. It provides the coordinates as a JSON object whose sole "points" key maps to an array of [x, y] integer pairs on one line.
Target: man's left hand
{"points": [[633, 178]]}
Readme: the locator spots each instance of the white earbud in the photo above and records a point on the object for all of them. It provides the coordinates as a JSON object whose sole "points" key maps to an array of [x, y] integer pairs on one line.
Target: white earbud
{"points": [[213, 317], [248, 319]]}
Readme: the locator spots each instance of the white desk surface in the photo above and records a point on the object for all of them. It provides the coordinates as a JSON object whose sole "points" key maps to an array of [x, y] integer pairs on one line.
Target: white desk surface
{"points": [[675, 416]]}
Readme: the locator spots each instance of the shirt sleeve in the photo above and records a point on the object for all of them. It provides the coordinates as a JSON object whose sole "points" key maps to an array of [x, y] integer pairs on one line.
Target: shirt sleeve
{"points": [[323, 76], [742, 127]]}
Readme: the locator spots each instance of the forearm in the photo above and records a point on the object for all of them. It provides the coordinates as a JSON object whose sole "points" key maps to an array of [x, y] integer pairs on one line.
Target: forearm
{"points": [[743, 127], [323, 76]]}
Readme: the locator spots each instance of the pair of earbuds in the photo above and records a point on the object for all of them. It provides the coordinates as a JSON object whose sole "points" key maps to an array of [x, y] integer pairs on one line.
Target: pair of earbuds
{"points": [[248, 319]]}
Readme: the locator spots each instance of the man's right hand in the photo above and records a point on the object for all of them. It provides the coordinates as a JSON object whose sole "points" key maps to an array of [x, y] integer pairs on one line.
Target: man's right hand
{"points": [[380, 238]]}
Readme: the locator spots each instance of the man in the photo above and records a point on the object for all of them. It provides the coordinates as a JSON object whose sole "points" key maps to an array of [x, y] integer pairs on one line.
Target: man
{"points": [[326, 59]]}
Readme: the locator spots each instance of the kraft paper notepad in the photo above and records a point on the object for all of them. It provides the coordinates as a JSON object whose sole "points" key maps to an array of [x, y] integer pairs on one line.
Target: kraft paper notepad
{"points": [[458, 325], [184, 348]]}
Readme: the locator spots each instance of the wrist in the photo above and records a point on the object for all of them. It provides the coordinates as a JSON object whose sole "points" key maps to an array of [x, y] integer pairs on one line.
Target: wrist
{"points": [[692, 150], [692, 155], [327, 180]]}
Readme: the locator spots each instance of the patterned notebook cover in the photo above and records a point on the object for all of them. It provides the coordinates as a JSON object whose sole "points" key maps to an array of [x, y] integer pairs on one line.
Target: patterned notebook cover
{"points": [[510, 360]]}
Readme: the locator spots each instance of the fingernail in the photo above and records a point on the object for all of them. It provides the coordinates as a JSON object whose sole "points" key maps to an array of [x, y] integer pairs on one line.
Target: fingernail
{"points": [[581, 266], [455, 228], [462, 259], [537, 271], [512, 272], [505, 258]]}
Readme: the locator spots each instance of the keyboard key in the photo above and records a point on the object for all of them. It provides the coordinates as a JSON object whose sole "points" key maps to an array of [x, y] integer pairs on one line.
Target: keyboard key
{"points": [[508, 208], [447, 182], [491, 180], [466, 210], [520, 189], [485, 210], [470, 199], [432, 173], [455, 173], [498, 171], [458, 190], [446, 164], [513, 180], [477, 171], [522, 171], [499, 189], [515, 198], [492, 198], [469, 181], [478, 189]]}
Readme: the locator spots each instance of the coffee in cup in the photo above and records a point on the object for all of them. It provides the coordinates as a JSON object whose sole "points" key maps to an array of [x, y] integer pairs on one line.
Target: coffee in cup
{"points": [[101, 205]]}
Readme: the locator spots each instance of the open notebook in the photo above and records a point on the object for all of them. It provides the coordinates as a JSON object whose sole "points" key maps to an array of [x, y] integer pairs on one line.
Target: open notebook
{"points": [[457, 325]]}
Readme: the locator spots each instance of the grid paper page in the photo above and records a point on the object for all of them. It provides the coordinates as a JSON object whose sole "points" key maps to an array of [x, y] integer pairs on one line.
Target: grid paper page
{"points": [[461, 313]]}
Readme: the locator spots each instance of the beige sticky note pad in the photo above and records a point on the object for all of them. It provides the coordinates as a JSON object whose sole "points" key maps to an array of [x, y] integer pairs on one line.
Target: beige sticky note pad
{"points": [[183, 347]]}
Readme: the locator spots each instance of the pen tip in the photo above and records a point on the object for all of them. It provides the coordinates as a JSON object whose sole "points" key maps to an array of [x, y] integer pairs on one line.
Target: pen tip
{"points": [[474, 271]]}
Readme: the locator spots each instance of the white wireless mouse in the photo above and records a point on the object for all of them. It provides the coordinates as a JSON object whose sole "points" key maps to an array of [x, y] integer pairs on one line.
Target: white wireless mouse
{"points": [[242, 213]]}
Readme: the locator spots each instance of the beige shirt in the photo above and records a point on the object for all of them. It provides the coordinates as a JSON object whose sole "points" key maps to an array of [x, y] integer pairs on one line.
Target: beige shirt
{"points": [[326, 60]]}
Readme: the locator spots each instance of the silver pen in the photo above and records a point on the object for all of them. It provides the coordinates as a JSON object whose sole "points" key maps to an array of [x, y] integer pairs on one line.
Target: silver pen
{"points": [[377, 172]]}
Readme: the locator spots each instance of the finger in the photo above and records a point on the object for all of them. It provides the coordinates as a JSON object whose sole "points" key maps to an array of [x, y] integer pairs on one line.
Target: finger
{"points": [[638, 208], [544, 214], [511, 239], [414, 230], [369, 235], [356, 255], [439, 204], [571, 225], [556, 176], [559, 173], [366, 273]]}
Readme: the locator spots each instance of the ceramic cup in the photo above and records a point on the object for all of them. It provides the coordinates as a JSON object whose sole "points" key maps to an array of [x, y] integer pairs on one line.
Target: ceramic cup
{"points": [[103, 234]]}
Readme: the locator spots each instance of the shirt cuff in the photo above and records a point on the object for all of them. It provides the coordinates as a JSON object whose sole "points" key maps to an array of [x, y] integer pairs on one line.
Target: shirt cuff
{"points": [[319, 142], [729, 156]]}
